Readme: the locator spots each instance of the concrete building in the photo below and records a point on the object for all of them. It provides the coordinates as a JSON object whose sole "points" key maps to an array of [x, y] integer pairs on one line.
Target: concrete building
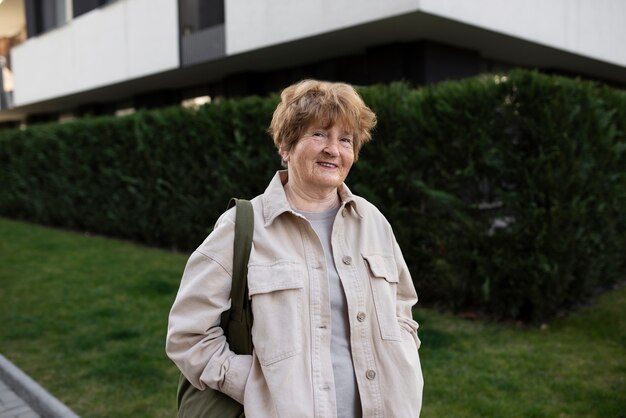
{"points": [[112, 56]]}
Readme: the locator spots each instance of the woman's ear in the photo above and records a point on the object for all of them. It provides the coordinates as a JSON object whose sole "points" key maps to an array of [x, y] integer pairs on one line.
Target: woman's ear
{"points": [[284, 154]]}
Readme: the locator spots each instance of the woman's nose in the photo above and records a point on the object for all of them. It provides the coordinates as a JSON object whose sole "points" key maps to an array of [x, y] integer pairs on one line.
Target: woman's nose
{"points": [[332, 146]]}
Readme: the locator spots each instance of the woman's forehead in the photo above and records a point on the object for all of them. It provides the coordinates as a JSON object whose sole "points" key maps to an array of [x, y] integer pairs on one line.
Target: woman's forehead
{"points": [[343, 125]]}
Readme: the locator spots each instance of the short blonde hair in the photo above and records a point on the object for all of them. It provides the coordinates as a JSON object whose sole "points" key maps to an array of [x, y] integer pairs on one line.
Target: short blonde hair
{"points": [[310, 101]]}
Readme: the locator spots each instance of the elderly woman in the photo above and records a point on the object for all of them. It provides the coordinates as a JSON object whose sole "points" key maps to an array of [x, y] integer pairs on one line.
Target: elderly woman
{"points": [[331, 294]]}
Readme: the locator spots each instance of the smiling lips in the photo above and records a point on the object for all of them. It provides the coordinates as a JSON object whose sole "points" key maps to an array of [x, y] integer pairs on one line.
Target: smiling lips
{"points": [[327, 165]]}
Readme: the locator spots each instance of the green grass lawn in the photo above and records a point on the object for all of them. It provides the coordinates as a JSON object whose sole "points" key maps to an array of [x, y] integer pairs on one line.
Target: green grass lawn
{"points": [[86, 317]]}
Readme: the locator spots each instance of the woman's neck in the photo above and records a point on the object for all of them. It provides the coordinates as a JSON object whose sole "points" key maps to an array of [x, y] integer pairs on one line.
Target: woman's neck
{"points": [[311, 202]]}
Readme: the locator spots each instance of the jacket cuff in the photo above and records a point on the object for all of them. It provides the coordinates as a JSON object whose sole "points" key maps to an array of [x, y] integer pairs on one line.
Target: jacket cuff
{"points": [[237, 376]]}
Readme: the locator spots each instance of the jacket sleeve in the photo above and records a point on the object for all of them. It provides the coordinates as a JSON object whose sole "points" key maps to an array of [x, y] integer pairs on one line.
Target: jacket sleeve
{"points": [[406, 296], [195, 340]]}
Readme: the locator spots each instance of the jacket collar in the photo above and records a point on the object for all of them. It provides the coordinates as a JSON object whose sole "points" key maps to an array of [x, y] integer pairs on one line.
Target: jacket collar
{"points": [[275, 200]]}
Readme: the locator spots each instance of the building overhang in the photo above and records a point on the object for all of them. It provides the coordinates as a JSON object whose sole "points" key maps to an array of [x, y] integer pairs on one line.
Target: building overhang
{"points": [[345, 42]]}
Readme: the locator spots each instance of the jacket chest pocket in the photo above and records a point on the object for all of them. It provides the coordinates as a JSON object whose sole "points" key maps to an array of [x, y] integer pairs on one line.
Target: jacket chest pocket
{"points": [[276, 294], [383, 276]]}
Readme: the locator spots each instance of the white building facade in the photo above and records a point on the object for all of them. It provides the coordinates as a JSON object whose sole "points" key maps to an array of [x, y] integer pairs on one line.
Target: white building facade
{"points": [[100, 57]]}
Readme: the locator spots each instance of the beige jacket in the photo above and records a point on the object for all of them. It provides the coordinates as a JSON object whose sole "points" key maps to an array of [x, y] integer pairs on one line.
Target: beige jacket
{"points": [[290, 373]]}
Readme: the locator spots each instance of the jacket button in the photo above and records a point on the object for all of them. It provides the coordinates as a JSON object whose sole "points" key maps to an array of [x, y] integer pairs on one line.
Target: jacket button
{"points": [[347, 260], [370, 374], [360, 316]]}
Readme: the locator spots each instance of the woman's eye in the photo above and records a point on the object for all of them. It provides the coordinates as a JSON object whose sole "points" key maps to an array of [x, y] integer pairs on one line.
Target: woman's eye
{"points": [[318, 133], [346, 140]]}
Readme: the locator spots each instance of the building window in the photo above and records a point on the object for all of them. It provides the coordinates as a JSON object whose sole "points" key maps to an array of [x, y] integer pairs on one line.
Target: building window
{"points": [[44, 15], [202, 30], [196, 15], [81, 7]]}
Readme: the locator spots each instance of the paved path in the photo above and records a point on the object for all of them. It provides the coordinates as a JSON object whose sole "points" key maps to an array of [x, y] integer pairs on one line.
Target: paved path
{"points": [[22, 397], [12, 406]]}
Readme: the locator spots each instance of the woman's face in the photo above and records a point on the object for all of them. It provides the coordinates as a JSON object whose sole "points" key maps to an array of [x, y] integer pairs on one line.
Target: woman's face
{"points": [[321, 159]]}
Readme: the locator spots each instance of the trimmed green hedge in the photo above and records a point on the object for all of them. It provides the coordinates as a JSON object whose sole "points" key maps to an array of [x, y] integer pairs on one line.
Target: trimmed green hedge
{"points": [[512, 188], [505, 192], [157, 177]]}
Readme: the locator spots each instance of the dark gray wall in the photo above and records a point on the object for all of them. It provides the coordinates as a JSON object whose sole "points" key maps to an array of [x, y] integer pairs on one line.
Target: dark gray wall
{"points": [[43, 15]]}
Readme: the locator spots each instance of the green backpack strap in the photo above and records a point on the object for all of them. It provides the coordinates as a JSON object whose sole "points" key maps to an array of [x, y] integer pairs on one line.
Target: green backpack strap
{"points": [[236, 323]]}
